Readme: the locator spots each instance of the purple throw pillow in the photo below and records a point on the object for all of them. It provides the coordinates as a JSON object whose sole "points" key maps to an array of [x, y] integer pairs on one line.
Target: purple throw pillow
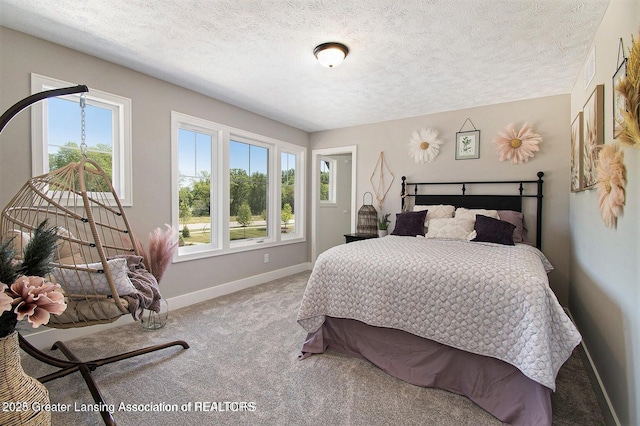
{"points": [[410, 224], [492, 230], [516, 218]]}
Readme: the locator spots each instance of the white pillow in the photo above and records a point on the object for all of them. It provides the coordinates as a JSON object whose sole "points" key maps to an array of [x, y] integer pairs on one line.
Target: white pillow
{"points": [[79, 282], [435, 211], [470, 214], [455, 228]]}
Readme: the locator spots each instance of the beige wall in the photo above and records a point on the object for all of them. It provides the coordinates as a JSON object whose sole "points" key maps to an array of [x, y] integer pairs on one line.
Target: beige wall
{"points": [[152, 102], [605, 285], [549, 117]]}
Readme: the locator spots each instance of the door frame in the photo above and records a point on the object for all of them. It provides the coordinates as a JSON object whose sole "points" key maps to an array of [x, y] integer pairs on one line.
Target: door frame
{"points": [[315, 190]]}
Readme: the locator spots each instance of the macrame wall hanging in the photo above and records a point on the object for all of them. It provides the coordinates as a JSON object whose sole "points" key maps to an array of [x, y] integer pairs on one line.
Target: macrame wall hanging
{"points": [[381, 179]]}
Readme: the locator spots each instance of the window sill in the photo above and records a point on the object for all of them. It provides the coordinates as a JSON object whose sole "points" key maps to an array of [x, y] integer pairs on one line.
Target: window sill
{"points": [[235, 250]]}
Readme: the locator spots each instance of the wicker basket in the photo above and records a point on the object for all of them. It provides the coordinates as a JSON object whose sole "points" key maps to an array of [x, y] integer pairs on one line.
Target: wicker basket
{"points": [[367, 218], [19, 389]]}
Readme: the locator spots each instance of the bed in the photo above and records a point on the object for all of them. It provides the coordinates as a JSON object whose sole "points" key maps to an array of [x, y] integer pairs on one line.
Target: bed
{"points": [[477, 318]]}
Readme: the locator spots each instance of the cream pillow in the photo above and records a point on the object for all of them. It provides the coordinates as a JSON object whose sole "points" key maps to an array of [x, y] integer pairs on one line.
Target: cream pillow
{"points": [[454, 228], [470, 214], [435, 211], [66, 247], [80, 282]]}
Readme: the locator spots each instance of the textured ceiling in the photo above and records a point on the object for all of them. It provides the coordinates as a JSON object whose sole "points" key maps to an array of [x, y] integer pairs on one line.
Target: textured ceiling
{"points": [[407, 58]]}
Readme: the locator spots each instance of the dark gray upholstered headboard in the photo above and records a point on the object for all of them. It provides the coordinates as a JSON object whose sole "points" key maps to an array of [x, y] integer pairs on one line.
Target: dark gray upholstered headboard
{"points": [[492, 202]]}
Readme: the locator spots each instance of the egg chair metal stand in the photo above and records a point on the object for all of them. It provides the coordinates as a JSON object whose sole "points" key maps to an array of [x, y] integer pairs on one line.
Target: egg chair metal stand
{"points": [[95, 241]]}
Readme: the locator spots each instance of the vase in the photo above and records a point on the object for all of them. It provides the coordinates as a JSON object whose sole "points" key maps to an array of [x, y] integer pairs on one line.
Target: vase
{"points": [[152, 320], [382, 233], [21, 395]]}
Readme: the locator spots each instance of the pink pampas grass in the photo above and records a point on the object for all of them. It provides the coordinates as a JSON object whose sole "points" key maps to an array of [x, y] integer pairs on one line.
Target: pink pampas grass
{"points": [[162, 245]]}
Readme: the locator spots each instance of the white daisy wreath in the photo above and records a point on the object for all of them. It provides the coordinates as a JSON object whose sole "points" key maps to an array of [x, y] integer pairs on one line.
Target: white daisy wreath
{"points": [[424, 145]]}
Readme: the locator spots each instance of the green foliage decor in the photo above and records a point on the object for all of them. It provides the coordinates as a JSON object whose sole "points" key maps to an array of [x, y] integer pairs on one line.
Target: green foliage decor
{"points": [[37, 257], [383, 222]]}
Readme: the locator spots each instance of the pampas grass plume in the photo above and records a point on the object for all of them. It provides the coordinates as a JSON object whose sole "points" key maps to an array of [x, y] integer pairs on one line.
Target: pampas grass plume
{"points": [[141, 250], [162, 244]]}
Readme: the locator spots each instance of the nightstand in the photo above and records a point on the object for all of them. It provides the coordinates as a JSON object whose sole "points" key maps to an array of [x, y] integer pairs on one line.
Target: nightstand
{"points": [[349, 238]]}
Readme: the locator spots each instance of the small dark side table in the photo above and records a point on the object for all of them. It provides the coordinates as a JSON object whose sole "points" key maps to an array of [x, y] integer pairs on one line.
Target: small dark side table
{"points": [[349, 238]]}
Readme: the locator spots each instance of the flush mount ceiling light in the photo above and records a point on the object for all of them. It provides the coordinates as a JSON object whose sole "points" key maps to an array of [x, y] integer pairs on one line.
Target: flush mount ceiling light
{"points": [[331, 55]]}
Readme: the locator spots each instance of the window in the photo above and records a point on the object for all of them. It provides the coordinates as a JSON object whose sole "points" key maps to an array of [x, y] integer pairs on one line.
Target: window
{"points": [[56, 130], [328, 167], [194, 186], [233, 190], [289, 195], [248, 190], [196, 175]]}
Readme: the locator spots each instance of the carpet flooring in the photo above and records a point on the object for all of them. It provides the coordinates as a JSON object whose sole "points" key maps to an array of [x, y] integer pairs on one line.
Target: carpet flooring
{"points": [[242, 369]]}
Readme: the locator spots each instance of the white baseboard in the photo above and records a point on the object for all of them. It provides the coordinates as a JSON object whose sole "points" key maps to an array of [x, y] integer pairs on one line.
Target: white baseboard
{"points": [[48, 336], [601, 385], [189, 299], [603, 390]]}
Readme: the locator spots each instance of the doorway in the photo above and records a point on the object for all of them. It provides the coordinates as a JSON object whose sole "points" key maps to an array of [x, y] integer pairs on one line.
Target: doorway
{"points": [[333, 202]]}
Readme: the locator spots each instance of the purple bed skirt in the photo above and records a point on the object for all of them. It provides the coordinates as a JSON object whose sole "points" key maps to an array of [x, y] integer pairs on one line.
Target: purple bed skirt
{"points": [[494, 385]]}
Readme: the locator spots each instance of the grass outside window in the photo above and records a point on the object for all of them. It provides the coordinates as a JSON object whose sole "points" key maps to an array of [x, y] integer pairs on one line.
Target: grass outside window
{"points": [[200, 231]]}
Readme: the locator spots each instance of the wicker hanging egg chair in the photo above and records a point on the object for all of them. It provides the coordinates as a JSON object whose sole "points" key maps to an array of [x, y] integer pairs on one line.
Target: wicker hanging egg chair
{"points": [[90, 263], [77, 199]]}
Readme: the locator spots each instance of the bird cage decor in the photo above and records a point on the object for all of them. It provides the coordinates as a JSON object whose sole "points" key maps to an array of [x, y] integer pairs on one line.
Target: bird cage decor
{"points": [[367, 218]]}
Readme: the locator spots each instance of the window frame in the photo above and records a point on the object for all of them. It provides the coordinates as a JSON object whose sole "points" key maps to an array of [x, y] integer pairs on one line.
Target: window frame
{"points": [[270, 237], [333, 165], [298, 194], [122, 174], [183, 121], [220, 173]]}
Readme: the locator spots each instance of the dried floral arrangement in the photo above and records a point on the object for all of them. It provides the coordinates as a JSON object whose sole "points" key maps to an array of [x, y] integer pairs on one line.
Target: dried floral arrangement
{"points": [[162, 245], [29, 295], [517, 145], [611, 181], [629, 88]]}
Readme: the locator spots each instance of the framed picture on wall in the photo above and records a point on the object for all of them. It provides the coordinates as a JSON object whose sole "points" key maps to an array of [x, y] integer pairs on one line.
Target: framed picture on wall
{"points": [[592, 134], [618, 99], [468, 145], [576, 153]]}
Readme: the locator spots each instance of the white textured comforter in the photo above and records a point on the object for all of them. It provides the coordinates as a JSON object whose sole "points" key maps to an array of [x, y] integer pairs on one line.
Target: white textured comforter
{"points": [[484, 298]]}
